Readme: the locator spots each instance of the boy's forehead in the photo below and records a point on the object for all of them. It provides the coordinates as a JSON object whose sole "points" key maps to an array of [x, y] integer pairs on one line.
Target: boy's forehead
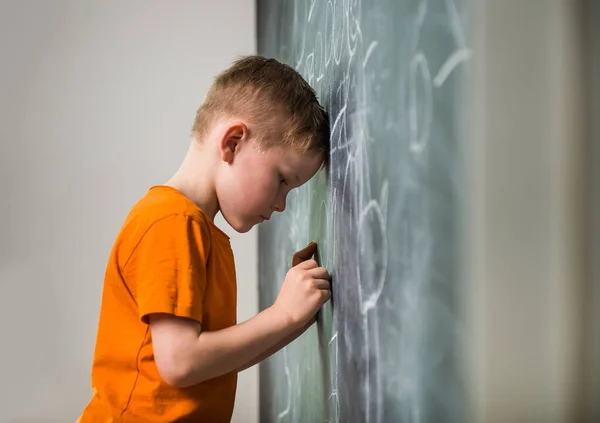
{"points": [[300, 166], [292, 156]]}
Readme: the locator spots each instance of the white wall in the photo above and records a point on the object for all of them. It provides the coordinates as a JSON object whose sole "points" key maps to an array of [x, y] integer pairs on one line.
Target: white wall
{"points": [[592, 85], [96, 102], [526, 221]]}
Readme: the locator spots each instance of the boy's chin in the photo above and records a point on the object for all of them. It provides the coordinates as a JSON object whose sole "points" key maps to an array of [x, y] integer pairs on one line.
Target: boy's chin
{"points": [[242, 226], [244, 229]]}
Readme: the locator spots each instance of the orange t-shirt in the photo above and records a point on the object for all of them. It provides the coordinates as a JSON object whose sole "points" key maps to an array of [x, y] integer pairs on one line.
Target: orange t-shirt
{"points": [[168, 258]]}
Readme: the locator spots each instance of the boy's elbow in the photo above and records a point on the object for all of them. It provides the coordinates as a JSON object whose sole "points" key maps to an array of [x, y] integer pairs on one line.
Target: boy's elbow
{"points": [[177, 381], [173, 363], [180, 370], [175, 377], [177, 373], [174, 340]]}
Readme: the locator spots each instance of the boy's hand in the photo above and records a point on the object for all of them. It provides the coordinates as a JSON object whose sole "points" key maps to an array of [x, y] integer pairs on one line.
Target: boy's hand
{"points": [[305, 289]]}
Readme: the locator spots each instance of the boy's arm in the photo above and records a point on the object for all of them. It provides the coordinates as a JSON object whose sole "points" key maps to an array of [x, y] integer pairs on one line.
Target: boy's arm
{"points": [[289, 339], [185, 355]]}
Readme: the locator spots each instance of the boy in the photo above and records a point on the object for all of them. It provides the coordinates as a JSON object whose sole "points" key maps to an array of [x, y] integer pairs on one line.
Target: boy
{"points": [[168, 348]]}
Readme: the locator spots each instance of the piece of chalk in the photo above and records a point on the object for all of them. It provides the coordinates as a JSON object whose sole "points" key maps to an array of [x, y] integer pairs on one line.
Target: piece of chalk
{"points": [[306, 254]]}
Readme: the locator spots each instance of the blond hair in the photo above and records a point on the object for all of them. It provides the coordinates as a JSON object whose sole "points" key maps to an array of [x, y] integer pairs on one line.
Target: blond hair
{"points": [[267, 91]]}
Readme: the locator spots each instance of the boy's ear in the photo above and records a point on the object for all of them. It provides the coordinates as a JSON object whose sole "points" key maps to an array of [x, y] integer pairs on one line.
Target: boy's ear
{"points": [[235, 134]]}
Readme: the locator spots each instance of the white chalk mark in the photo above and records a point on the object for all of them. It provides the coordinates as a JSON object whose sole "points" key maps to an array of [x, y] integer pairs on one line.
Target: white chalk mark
{"points": [[350, 163], [455, 23], [333, 405], [419, 134], [310, 66], [328, 19], [310, 12], [342, 94], [333, 408], [337, 119], [336, 57], [319, 58], [333, 338], [298, 392], [286, 411], [383, 199], [365, 192], [421, 12], [356, 35], [451, 63], [369, 51], [375, 246]]}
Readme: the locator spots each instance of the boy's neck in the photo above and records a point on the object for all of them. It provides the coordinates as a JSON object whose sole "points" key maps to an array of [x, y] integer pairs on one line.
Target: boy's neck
{"points": [[194, 180]]}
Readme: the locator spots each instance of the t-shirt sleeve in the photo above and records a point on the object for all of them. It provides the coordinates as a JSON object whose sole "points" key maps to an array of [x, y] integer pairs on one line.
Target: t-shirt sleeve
{"points": [[166, 272]]}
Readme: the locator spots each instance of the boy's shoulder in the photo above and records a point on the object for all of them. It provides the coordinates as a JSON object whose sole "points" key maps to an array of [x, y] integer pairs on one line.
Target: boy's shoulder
{"points": [[160, 202], [164, 200]]}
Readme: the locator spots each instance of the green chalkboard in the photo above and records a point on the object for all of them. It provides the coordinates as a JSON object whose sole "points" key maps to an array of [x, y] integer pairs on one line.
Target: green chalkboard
{"points": [[386, 213]]}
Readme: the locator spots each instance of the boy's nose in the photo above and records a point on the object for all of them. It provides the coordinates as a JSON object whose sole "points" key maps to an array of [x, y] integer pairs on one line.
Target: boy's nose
{"points": [[280, 204]]}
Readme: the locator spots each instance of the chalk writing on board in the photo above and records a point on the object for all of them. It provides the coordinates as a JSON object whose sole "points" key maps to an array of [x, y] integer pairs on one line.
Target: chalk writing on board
{"points": [[355, 67], [286, 368], [333, 405], [419, 75]]}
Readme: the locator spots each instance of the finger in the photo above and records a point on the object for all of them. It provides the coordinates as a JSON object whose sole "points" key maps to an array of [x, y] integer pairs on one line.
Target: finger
{"points": [[308, 264], [322, 284], [305, 254], [320, 273], [325, 295]]}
